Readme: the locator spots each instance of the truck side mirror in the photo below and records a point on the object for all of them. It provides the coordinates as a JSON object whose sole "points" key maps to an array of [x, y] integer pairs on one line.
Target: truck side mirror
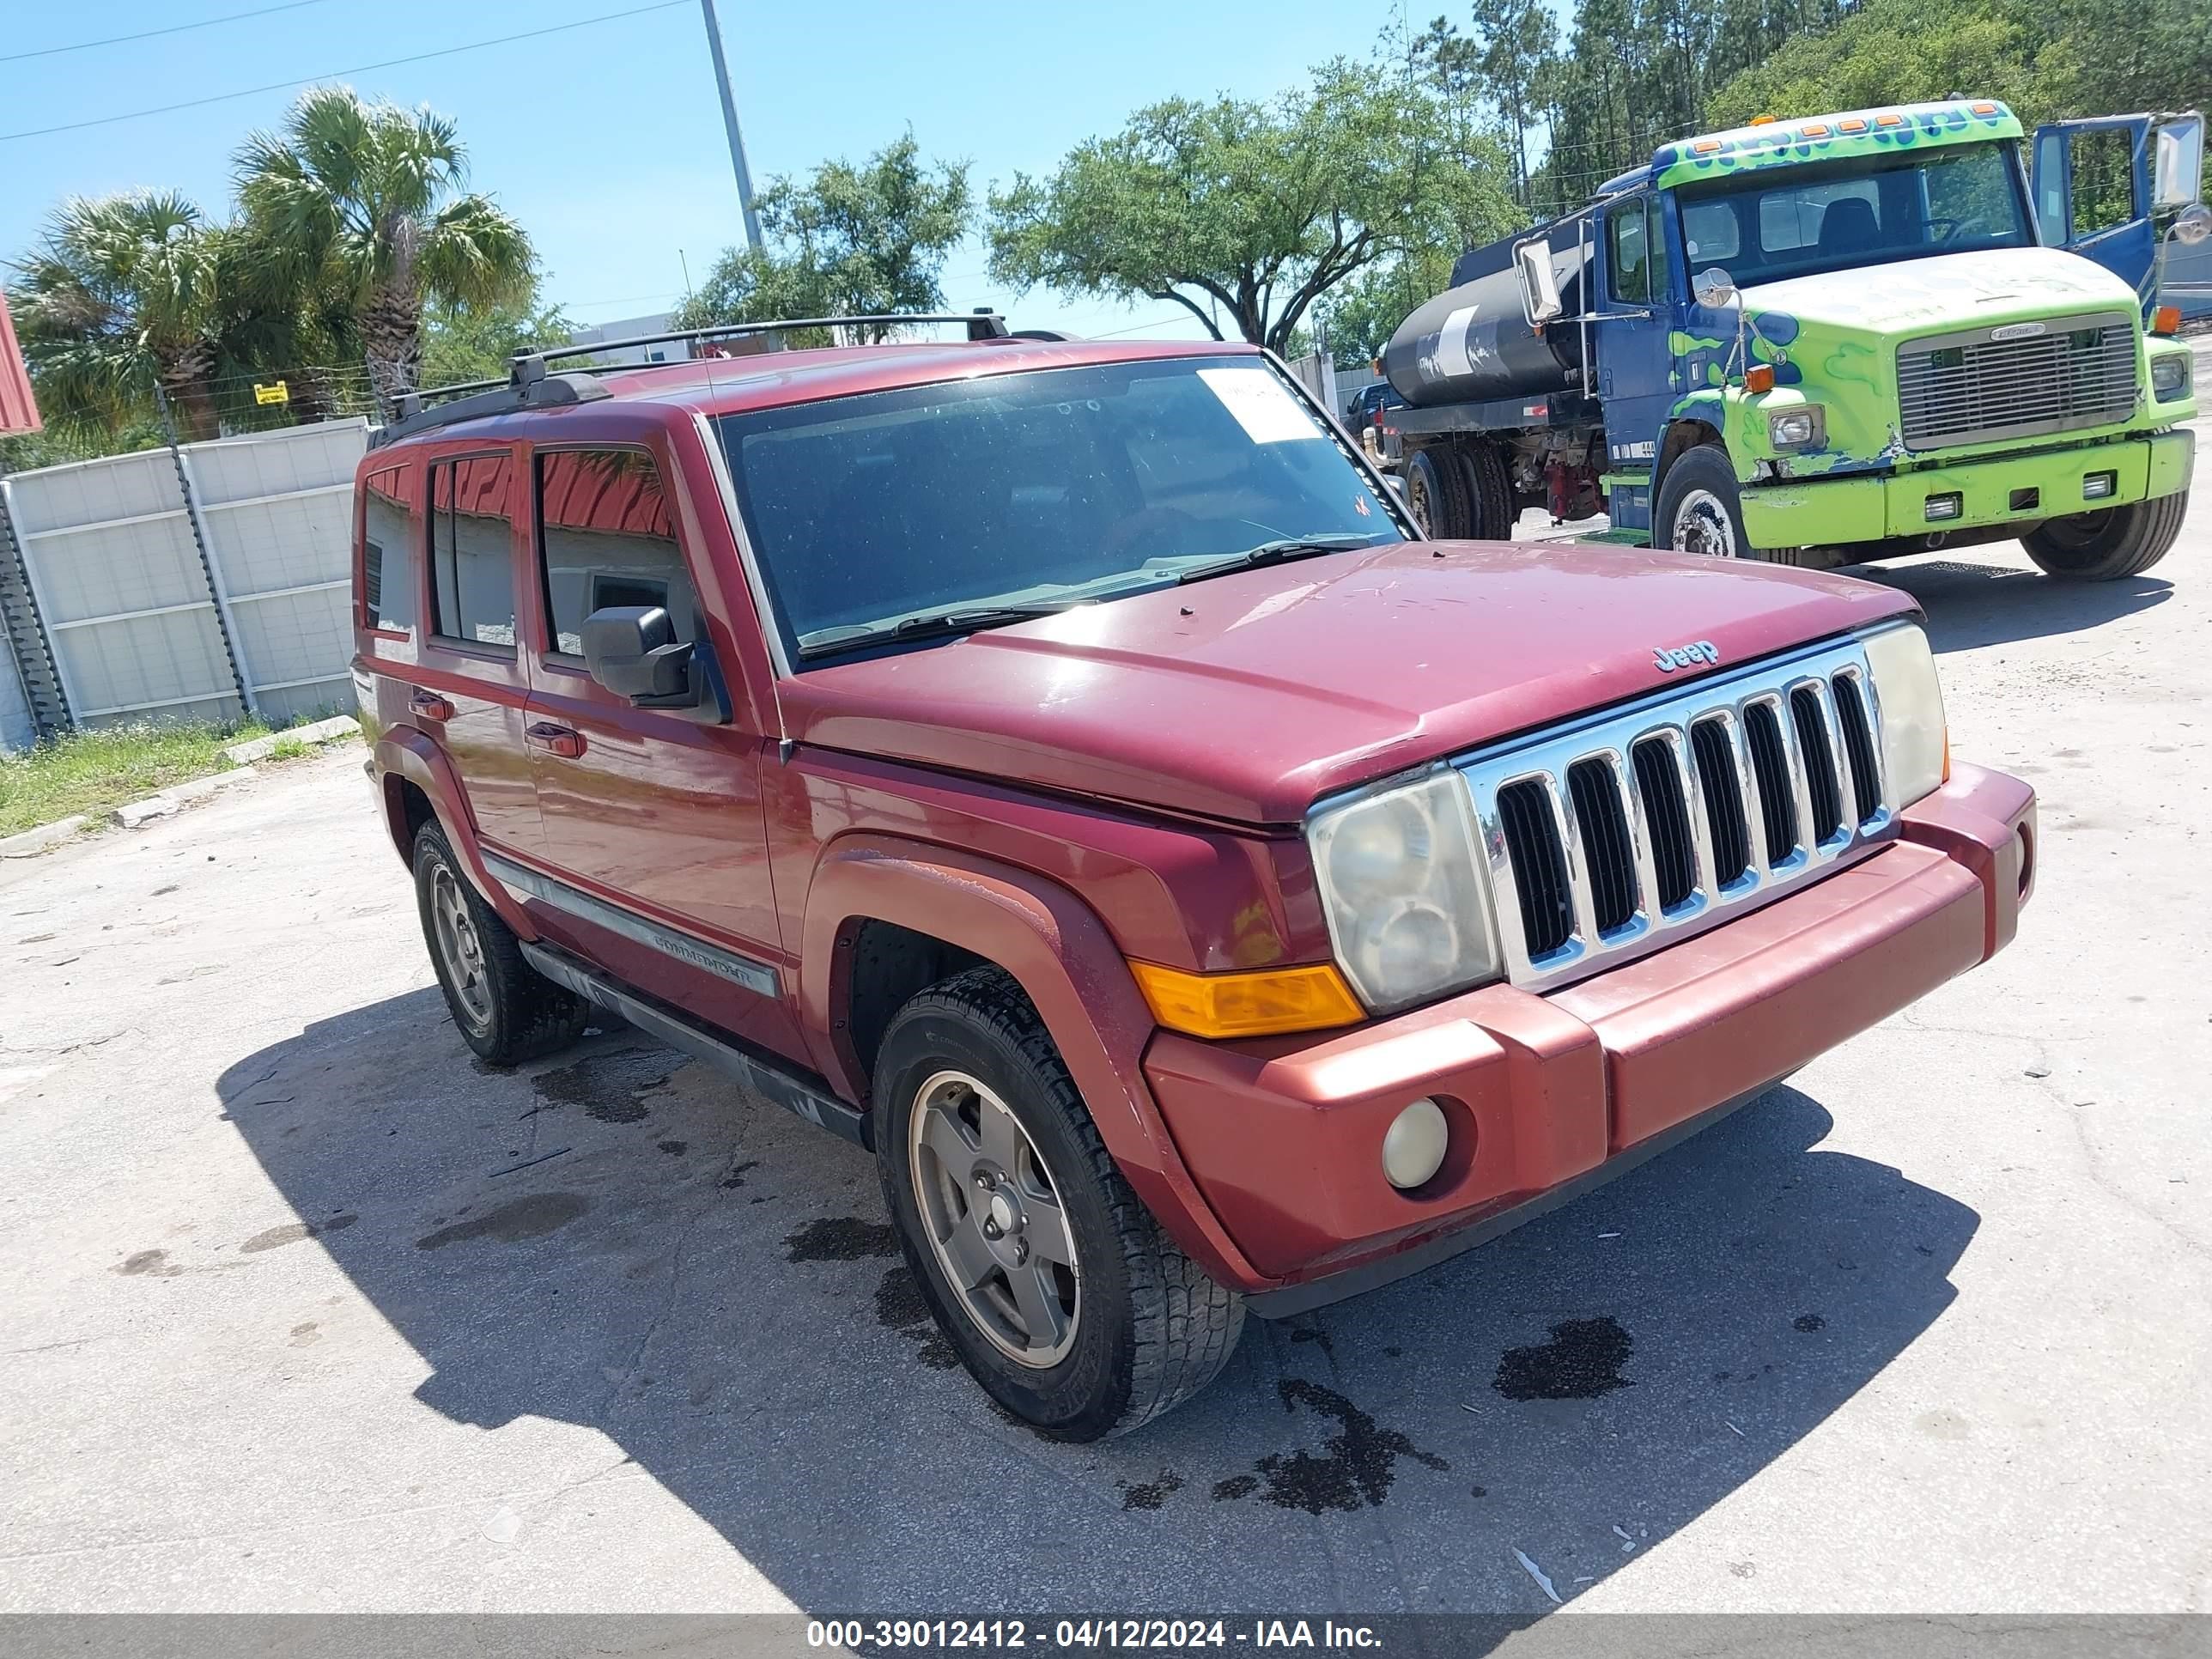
{"points": [[1539, 286], [632, 651], [2194, 225], [2179, 146], [1714, 288]]}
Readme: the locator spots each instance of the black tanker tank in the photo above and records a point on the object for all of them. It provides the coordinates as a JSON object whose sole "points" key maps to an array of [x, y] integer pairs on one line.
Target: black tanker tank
{"points": [[1473, 342]]}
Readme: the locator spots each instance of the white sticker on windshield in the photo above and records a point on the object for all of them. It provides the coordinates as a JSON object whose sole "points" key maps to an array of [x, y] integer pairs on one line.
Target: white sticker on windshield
{"points": [[1268, 414]]}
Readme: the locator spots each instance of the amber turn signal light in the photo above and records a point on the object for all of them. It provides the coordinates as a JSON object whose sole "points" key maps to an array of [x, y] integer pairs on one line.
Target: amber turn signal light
{"points": [[2166, 319], [1759, 377], [1264, 1004]]}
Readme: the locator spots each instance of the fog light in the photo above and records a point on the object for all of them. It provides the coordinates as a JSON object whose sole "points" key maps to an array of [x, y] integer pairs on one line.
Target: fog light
{"points": [[1413, 1150], [1943, 507], [2098, 485]]}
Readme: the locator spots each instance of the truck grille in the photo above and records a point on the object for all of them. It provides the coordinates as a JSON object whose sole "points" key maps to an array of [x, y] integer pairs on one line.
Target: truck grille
{"points": [[1967, 387], [1644, 825]]}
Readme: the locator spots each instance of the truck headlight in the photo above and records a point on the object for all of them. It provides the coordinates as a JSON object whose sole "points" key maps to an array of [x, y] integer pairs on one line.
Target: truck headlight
{"points": [[2169, 376], [1402, 886], [1797, 429], [1908, 702]]}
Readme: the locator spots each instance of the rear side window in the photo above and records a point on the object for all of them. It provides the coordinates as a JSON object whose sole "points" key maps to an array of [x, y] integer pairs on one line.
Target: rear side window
{"points": [[392, 529], [606, 536], [472, 550]]}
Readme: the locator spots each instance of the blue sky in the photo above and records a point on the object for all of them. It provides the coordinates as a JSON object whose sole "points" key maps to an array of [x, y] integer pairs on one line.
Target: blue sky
{"points": [[607, 142]]}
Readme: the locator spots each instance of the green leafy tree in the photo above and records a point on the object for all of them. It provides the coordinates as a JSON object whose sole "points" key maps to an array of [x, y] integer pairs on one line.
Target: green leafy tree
{"points": [[117, 297], [476, 342], [1254, 210], [846, 241], [1515, 40], [366, 200]]}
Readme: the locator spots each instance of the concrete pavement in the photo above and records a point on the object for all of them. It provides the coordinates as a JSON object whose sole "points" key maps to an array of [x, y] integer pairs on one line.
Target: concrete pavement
{"points": [[304, 1310]]}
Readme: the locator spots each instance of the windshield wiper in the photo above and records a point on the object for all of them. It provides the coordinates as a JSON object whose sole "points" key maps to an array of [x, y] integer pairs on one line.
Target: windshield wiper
{"points": [[938, 624], [1275, 552]]}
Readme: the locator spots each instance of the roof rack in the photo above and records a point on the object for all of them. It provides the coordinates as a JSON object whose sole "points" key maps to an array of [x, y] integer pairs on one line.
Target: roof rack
{"points": [[529, 386]]}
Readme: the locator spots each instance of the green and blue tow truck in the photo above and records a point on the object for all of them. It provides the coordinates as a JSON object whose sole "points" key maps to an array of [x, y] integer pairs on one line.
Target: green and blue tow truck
{"points": [[1828, 340]]}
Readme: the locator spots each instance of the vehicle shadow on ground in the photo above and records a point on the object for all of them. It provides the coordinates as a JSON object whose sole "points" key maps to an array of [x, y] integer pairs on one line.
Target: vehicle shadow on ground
{"points": [[1970, 604], [617, 1239]]}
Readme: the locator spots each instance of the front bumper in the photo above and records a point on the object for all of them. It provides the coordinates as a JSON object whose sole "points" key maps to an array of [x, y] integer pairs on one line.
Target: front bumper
{"points": [[1547, 1094], [1837, 511]]}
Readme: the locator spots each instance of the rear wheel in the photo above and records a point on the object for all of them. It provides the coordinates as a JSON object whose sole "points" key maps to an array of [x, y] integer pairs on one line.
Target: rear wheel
{"points": [[1056, 1287], [504, 1008], [1436, 493], [1700, 509], [1491, 496], [2105, 546]]}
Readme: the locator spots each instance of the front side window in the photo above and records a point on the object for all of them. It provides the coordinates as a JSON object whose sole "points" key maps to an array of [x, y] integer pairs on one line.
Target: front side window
{"points": [[472, 550], [606, 536], [1632, 268], [879, 517], [1770, 224], [392, 529], [2104, 193]]}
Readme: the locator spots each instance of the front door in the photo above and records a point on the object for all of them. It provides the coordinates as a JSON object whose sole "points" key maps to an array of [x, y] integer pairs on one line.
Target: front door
{"points": [[1635, 289], [2092, 195], [655, 837]]}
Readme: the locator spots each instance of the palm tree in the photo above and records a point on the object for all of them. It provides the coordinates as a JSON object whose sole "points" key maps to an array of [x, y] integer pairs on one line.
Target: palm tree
{"points": [[366, 197], [118, 296]]}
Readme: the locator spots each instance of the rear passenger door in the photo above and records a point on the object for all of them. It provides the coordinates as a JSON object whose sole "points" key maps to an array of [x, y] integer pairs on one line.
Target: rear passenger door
{"points": [[655, 834], [471, 682]]}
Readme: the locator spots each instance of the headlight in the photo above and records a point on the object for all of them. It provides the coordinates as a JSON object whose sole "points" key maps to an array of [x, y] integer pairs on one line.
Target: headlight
{"points": [[1793, 428], [2169, 375], [1402, 886], [1910, 704]]}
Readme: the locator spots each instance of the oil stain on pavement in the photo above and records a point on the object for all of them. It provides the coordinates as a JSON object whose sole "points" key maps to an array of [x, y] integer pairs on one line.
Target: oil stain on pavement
{"points": [[840, 1238], [513, 1222], [899, 1307], [1356, 1470], [611, 1087], [1581, 1361]]}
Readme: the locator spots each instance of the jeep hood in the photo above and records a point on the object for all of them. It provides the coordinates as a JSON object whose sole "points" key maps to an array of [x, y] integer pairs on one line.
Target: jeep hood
{"points": [[1246, 697]]}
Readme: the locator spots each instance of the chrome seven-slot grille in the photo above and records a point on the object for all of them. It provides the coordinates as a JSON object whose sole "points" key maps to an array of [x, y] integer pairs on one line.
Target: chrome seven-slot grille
{"points": [[1970, 387], [1644, 825]]}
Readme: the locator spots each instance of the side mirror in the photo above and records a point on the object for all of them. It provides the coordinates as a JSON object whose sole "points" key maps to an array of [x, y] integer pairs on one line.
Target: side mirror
{"points": [[2194, 225], [2179, 147], [1540, 284], [632, 651], [1714, 288]]}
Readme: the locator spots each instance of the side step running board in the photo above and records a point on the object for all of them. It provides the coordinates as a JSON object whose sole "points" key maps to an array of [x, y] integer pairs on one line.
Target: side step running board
{"points": [[787, 1088]]}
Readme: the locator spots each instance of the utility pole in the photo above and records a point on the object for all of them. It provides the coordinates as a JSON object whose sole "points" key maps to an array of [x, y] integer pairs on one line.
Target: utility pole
{"points": [[730, 122]]}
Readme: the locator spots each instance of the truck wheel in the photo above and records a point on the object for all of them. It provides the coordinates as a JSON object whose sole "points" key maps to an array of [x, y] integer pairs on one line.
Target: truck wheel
{"points": [[2100, 547], [504, 1008], [1437, 493], [1054, 1285], [1699, 509], [1491, 516]]}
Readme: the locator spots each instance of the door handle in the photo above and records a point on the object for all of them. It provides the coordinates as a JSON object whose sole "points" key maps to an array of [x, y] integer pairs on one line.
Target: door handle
{"points": [[430, 706], [562, 740]]}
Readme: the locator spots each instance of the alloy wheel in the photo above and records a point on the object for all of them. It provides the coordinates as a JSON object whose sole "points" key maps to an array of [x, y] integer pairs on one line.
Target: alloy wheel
{"points": [[461, 949], [993, 1215]]}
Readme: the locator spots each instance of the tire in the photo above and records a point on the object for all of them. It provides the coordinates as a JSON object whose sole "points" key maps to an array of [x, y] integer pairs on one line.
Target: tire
{"points": [[504, 1008], [1437, 493], [2104, 546], [1489, 488], [1700, 507], [1135, 1330]]}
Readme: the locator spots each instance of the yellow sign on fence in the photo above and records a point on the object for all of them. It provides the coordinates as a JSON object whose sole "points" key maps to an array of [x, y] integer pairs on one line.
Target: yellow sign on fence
{"points": [[279, 394]]}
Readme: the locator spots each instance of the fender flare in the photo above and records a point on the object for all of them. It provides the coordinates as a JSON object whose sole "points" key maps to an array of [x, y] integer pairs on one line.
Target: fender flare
{"points": [[1062, 956], [403, 752]]}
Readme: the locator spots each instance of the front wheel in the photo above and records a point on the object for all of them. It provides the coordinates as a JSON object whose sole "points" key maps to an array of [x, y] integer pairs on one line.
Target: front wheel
{"points": [[1056, 1287], [2106, 545], [1700, 507]]}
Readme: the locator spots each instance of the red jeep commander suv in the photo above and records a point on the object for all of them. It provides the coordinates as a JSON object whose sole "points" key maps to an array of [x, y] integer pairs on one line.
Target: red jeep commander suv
{"points": [[1060, 769]]}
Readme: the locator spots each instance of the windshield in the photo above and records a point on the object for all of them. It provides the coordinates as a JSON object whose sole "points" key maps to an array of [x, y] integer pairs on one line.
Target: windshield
{"points": [[1763, 226], [1032, 490]]}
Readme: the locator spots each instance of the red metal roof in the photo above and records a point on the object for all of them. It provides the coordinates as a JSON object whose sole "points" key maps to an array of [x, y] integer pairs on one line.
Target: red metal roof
{"points": [[19, 409]]}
